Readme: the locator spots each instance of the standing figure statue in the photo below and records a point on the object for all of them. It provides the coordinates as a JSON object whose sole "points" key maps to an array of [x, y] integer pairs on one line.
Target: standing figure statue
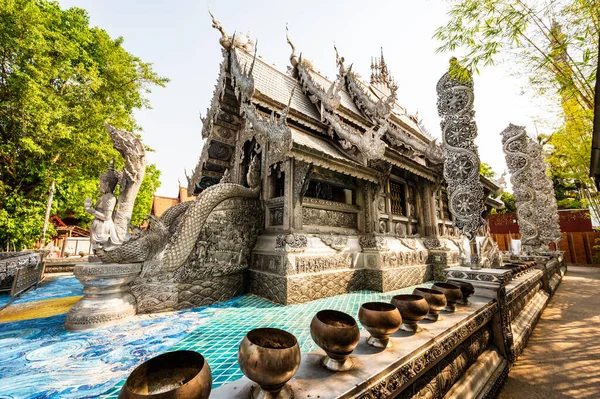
{"points": [[103, 232]]}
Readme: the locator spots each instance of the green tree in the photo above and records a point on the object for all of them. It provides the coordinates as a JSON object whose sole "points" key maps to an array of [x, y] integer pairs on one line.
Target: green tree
{"points": [[509, 204], [60, 79], [486, 170], [145, 197], [525, 32], [554, 44]]}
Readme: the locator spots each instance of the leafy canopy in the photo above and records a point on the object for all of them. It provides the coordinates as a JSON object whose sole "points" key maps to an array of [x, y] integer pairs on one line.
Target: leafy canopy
{"points": [[524, 33], [486, 170], [60, 79]]}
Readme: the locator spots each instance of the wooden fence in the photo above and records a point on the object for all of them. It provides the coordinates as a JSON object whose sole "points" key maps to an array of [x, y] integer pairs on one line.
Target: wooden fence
{"points": [[578, 246]]}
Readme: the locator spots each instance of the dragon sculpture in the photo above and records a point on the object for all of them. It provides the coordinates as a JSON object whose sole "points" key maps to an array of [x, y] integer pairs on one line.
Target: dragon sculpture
{"points": [[489, 252], [166, 245]]}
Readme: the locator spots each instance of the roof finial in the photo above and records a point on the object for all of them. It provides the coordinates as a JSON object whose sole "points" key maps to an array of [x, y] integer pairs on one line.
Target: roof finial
{"points": [[339, 60], [225, 40], [293, 57], [383, 65]]}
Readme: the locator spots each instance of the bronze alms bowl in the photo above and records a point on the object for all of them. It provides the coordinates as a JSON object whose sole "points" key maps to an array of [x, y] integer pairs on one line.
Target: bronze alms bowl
{"points": [[270, 357], [337, 334], [453, 294], [435, 299], [381, 320], [413, 309], [179, 374], [466, 288]]}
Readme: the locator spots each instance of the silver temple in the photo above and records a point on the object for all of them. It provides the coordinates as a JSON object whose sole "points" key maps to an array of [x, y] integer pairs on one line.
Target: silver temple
{"points": [[306, 188]]}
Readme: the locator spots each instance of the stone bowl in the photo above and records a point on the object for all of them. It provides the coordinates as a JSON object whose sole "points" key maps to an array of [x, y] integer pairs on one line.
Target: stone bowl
{"points": [[178, 374], [337, 334], [380, 319], [467, 290], [435, 299], [452, 292], [413, 309], [270, 357]]}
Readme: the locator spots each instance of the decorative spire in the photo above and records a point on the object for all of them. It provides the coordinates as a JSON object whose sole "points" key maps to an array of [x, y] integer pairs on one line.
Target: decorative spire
{"points": [[380, 75], [383, 67]]}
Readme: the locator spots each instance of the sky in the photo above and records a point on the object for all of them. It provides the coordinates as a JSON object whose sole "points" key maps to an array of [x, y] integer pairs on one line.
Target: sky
{"points": [[177, 38]]}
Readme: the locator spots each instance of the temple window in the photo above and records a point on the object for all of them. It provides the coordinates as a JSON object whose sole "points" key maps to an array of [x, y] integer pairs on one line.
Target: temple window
{"points": [[251, 149], [397, 198], [330, 192], [277, 186]]}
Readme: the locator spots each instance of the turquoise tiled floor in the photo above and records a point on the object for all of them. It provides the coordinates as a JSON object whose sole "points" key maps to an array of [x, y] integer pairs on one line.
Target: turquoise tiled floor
{"points": [[39, 359], [218, 339]]}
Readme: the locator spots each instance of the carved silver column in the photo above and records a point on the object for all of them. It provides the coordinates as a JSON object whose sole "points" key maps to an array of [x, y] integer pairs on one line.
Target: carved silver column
{"points": [[515, 146], [430, 220], [545, 209], [461, 163]]}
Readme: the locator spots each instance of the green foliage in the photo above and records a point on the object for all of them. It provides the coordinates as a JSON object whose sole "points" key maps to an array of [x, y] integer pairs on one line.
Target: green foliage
{"points": [[486, 170], [509, 204], [60, 79], [529, 33], [143, 202]]}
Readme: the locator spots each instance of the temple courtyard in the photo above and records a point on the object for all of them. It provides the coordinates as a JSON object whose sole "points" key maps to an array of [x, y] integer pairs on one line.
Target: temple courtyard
{"points": [[41, 359], [346, 231]]}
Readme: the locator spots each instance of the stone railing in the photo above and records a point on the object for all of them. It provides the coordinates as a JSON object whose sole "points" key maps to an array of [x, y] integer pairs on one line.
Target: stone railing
{"points": [[20, 270]]}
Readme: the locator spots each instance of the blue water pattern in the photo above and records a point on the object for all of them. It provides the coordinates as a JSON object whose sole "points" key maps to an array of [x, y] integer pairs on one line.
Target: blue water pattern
{"points": [[51, 287], [41, 360]]}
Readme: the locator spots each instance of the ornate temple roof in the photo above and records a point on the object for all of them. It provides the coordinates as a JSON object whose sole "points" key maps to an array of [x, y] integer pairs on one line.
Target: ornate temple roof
{"points": [[345, 125]]}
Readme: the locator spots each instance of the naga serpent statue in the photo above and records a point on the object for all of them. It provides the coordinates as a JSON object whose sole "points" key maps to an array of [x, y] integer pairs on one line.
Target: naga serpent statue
{"points": [[515, 146], [168, 242]]}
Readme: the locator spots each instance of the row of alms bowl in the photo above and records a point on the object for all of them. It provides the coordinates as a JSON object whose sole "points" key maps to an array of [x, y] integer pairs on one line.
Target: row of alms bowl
{"points": [[270, 357]]}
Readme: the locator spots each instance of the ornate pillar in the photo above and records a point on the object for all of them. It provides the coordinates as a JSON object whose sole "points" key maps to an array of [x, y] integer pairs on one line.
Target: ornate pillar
{"points": [[514, 144], [429, 214], [461, 163], [546, 207], [302, 172]]}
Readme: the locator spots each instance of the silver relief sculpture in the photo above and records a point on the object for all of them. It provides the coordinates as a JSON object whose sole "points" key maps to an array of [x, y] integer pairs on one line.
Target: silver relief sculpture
{"points": [[546, 209], [170, 239], [103, 233], [110, 227], [461, 163], [368, 145], [515, 145], [379, 111]]}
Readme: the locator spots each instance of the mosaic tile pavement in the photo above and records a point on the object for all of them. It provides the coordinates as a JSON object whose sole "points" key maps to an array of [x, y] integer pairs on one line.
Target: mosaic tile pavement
{"points": [[219, 338], [40, 360]]}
